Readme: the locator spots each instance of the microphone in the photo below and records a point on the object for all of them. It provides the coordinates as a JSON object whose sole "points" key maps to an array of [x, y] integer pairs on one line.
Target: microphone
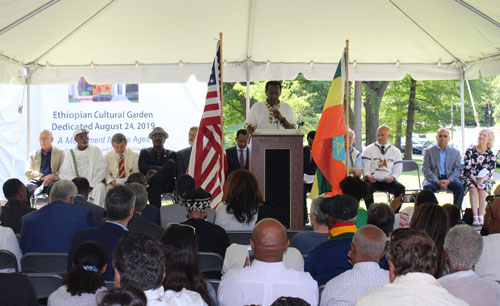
{"points": [[275, 108]]}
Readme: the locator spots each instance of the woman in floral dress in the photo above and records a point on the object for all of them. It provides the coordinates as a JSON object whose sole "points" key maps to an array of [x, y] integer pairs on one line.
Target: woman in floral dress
{"points": [[479, 163]]}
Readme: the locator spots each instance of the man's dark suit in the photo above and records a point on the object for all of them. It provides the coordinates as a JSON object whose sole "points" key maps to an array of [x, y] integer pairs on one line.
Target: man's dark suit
{"points": [[12, 213], [97, 211], [107, 234], [309, 168], [233, 159], [152, 213], [51, 228], [183, 161], [139, 224], [16, 290], [164, 178]]}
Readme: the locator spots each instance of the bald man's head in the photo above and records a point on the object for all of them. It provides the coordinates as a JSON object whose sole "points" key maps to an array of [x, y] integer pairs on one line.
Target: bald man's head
{"points": [[269, 240], [383, 134], [368, 244]]}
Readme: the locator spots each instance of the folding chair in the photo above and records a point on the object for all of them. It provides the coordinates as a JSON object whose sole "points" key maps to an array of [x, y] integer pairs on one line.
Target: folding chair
{"points": [[8, 260], [45, 262], [239, 237], [210, 262], [44, 283]]}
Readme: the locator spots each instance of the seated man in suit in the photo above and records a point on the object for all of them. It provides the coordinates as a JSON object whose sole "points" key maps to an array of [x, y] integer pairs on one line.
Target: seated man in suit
{"points": [[51, 228], [238, 156], [121, 161], [44, 163], [139, 224], [184, 155], [84, 189], [16, 206], [442, 168], [150, 212], [158, 165], [119, 205]]}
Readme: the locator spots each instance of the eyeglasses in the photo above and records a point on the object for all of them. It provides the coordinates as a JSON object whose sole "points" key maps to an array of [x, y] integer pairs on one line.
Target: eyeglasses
{"points": [[172, 225]]}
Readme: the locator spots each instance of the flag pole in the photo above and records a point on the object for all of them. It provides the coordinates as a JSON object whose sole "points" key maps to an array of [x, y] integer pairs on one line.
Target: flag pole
{"points": [[221, 83], [346, 112]]}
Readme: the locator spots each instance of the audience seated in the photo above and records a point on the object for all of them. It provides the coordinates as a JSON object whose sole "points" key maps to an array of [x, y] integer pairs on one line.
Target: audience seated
{"points": [[412, 262], [51, 228], [128, 296], [150, 212], [305, 241], [177, 212], [17, 290], [463, 247], [453, 213], [119, 205], [403, 218], [121, 161], [16, 206], [367, 248], [83, 282], [81, 199], [382, 216], [357, 188], [488, 266], [182, 269], [329, 259], [290, 301], [267, 278], [147, 276], [210, 237], [237, 258], [139, 224], [242, 198], [8, 241], [433, 219]]}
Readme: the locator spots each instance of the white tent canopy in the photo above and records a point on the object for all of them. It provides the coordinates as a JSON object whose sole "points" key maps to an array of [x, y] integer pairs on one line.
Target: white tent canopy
{"points": [[158, 41]]}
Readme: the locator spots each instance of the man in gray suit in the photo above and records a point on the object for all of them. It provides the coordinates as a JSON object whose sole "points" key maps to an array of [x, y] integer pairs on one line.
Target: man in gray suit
{"points": [[442, 168]]}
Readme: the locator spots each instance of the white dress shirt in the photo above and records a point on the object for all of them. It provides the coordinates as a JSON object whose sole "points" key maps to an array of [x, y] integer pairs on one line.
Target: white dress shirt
{"points": [[466, 285], [184, 297], [259, 116], [346, 288], [8, 241], [264, 282], [413, 288], [488, 266]]}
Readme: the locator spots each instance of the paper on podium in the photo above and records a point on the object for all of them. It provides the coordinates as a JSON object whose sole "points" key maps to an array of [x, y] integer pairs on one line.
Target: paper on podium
{"points": [[276, 132]]}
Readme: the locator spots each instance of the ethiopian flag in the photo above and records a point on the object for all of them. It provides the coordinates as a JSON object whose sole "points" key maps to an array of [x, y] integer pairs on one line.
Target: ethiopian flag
{"points": [[328, 149]]}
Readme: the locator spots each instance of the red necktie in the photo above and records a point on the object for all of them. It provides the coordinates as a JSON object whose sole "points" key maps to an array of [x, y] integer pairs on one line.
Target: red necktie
{"points": [[121, 167], [242, 159]]}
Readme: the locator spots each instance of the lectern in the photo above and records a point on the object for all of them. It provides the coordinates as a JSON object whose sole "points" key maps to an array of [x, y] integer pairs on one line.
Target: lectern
{"points": [[276, 159]]}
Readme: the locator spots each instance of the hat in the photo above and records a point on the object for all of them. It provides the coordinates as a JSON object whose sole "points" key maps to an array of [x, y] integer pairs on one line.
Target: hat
{"points": [[197, 199], [158, 130], [341, 207], [80, 131]]}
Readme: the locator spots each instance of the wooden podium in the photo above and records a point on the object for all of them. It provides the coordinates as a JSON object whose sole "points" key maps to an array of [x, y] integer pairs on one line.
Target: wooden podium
{"points": [[276, 159]]}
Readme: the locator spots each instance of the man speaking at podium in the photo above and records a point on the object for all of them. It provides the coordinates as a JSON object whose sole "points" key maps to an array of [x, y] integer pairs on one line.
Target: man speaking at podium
{"points": [[271, 114]]}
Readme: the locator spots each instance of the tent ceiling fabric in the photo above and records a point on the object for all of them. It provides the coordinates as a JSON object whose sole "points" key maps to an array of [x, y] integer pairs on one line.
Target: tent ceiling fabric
{"points": [[153, 41]]}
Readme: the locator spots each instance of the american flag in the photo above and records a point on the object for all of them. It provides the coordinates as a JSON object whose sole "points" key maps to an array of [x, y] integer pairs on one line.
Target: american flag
{"points": [[207, 163]]}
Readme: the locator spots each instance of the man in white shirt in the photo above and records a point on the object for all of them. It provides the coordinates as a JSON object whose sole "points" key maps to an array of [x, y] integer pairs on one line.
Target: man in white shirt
{"points": [[367, 248], [271, 114], [267, 278], [148, 273], [487, 266], [412, 262], [382, 166], [121, 161], [463, 247], [87, 161]]}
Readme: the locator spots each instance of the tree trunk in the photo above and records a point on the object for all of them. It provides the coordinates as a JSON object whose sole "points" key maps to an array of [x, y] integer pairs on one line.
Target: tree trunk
{"points": [[399, 128], [358, 94], [374, 92], [410, 121]]}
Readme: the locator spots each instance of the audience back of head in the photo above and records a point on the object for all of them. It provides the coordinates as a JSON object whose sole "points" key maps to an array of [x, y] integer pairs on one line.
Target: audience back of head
{"points": [[139, 261], [269, 240], [183, 184], [354, 187], [464, 246], [141, 195], [11, 188], [64, 191], [369, 243], [242, 195], [412, 250], [425, 196], [128, 296], [182, 269], [317, 216], [82, 185], [137, 178], [453, 214], [119, 201], [89, 263], [339, 208], [382, 216]]}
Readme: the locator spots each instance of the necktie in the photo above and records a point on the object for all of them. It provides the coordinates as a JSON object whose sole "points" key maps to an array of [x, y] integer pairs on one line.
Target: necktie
{"points": [[382, 148], [121, 167], [242, 159]]}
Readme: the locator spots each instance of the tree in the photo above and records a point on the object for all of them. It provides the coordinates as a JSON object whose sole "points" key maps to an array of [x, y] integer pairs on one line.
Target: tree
{"points": [[374, 90]]}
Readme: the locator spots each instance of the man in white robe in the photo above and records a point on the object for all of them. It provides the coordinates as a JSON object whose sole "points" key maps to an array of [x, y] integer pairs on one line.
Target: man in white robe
{"points": [[86, 161]]}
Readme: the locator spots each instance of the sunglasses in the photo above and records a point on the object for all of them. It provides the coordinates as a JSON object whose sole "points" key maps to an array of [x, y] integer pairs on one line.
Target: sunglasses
{"points": [[173, 225]]}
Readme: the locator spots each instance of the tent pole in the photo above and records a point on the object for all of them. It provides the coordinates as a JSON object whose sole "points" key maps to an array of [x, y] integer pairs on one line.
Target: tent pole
{"points": [[462, 106], [247, 104], [28, 112]]}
